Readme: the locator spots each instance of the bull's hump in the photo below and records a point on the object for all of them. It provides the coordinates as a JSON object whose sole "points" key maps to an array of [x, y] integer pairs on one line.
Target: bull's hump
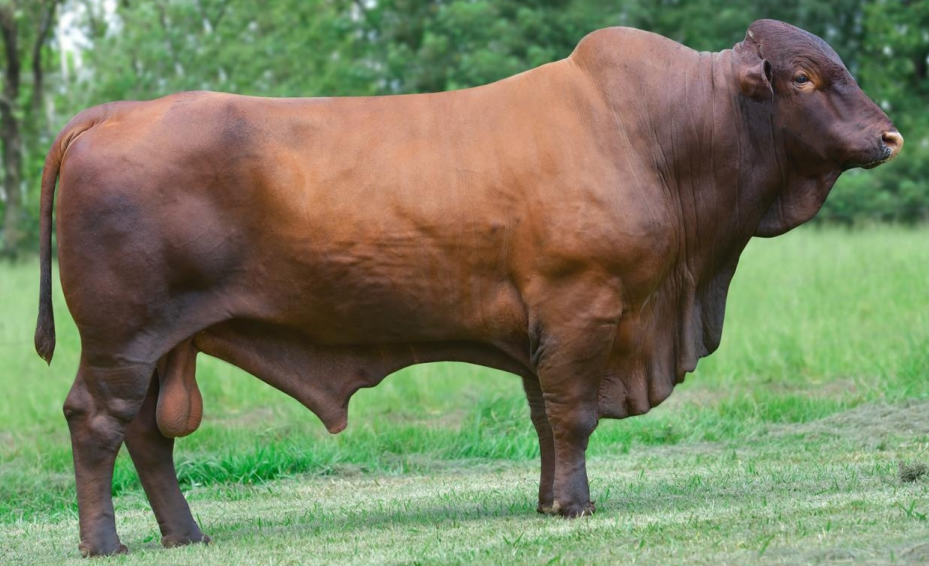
{"points": [[627, 47]]}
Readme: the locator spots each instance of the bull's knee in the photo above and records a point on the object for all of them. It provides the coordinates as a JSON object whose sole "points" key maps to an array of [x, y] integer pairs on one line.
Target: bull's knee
{"points": [[100, 419], [573, 422]]}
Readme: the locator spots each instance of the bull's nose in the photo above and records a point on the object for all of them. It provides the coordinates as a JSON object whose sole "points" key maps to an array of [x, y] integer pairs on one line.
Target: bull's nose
{"points": [[893, 141]]}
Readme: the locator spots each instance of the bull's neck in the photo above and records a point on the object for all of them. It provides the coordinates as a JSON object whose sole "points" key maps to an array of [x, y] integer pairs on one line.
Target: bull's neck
{"points": [[715, 152], [722, 161], [678, 120]]}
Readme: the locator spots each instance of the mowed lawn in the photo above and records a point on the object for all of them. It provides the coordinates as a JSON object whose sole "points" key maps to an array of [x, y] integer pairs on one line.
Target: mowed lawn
{"points": [[803, 440]]}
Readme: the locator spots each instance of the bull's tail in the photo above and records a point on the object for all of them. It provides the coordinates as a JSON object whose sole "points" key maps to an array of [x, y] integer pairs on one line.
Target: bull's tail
{"points": [[45, 326]]}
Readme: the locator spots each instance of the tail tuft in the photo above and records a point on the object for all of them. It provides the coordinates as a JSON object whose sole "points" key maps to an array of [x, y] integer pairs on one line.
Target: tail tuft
{"points": [[45, 331]]}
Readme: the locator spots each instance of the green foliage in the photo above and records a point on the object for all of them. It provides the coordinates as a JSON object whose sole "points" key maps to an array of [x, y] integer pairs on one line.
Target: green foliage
{"points": [[305, 48], [25, 28], [434, 46]]}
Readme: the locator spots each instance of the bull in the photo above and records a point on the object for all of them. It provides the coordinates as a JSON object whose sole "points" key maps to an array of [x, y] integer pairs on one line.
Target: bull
{"points": [[577, 225]]}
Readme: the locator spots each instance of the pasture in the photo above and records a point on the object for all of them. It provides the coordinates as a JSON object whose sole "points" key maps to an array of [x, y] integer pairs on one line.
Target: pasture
{"points": [[801, 441]]}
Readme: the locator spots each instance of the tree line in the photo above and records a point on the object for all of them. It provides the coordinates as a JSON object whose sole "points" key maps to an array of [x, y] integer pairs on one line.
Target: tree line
{"points": [[60, 56]]}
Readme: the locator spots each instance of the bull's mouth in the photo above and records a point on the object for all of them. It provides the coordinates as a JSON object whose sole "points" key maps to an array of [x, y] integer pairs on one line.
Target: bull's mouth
{"points": [[886, 154]]}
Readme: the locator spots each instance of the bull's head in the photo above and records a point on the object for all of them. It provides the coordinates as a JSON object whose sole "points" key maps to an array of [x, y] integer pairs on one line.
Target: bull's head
{"points": [[822, 120]]}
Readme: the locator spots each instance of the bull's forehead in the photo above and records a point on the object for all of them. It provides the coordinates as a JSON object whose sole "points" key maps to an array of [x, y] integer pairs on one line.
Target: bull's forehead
{"points": [[784, 43]]}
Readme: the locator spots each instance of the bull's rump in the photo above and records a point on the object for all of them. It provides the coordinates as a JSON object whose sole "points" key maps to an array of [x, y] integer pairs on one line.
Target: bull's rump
{"points": [[352, 219]]}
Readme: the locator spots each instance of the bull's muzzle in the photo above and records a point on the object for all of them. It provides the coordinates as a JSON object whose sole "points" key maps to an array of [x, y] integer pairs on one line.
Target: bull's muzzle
{"points": [[892, 142]]}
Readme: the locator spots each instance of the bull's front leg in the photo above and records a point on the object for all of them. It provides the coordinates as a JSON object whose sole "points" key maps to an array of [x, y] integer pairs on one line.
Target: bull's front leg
{"points": [[571, 337], [572, 412]]}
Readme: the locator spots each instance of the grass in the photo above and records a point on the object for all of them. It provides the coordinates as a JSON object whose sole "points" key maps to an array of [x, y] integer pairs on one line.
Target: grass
{"points": [[785, 447]]}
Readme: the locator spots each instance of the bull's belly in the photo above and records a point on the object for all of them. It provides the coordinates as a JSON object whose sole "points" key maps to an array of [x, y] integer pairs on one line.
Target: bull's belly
{"points": [[324, 377], [319, 325]]}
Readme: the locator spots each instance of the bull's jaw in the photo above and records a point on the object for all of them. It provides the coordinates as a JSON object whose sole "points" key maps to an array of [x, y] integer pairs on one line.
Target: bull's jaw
{"points": [[802, 196], [796, 203]]}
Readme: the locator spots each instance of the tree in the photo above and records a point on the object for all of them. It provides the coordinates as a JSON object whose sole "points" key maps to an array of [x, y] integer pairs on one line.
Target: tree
{"points": [[430, 45], [284, 48], [25, 27]]}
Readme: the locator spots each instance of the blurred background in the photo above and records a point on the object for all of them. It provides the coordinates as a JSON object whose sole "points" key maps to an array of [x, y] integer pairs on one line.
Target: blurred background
{"points": [[61, 56]]}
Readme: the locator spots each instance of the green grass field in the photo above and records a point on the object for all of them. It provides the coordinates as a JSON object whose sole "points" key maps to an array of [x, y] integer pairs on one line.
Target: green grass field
{"points": [[783, 448]]}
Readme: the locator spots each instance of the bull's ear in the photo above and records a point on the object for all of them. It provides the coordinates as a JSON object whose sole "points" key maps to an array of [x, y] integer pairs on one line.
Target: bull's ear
{"points": [[755, 81]]}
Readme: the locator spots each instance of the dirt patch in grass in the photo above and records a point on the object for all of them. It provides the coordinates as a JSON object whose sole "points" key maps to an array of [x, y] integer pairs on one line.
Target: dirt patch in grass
{"points": [[869, 424], [707, 396], [874, 426], [835, 556], [909, 472], [918, 554]]}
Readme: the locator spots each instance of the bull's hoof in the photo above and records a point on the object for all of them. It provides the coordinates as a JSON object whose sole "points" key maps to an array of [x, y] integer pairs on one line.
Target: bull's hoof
{"points": [[545, 508], [573, 510], [171, 541], [88, 550]]}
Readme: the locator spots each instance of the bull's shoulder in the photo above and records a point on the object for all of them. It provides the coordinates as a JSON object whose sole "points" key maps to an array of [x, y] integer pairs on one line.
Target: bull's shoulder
{"points": [[629, 230]]}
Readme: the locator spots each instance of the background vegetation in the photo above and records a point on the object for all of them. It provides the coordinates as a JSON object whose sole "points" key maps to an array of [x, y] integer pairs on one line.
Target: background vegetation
{"points": [[60, 56]]}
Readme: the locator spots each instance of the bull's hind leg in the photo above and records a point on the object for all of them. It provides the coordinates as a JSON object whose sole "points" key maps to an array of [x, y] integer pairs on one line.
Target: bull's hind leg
{"points": [[101, 404], [153, 456], [546, 443]]}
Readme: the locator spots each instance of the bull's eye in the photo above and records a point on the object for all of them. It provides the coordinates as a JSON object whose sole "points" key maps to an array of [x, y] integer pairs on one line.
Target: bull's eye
{"points": [[801, 79]]}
